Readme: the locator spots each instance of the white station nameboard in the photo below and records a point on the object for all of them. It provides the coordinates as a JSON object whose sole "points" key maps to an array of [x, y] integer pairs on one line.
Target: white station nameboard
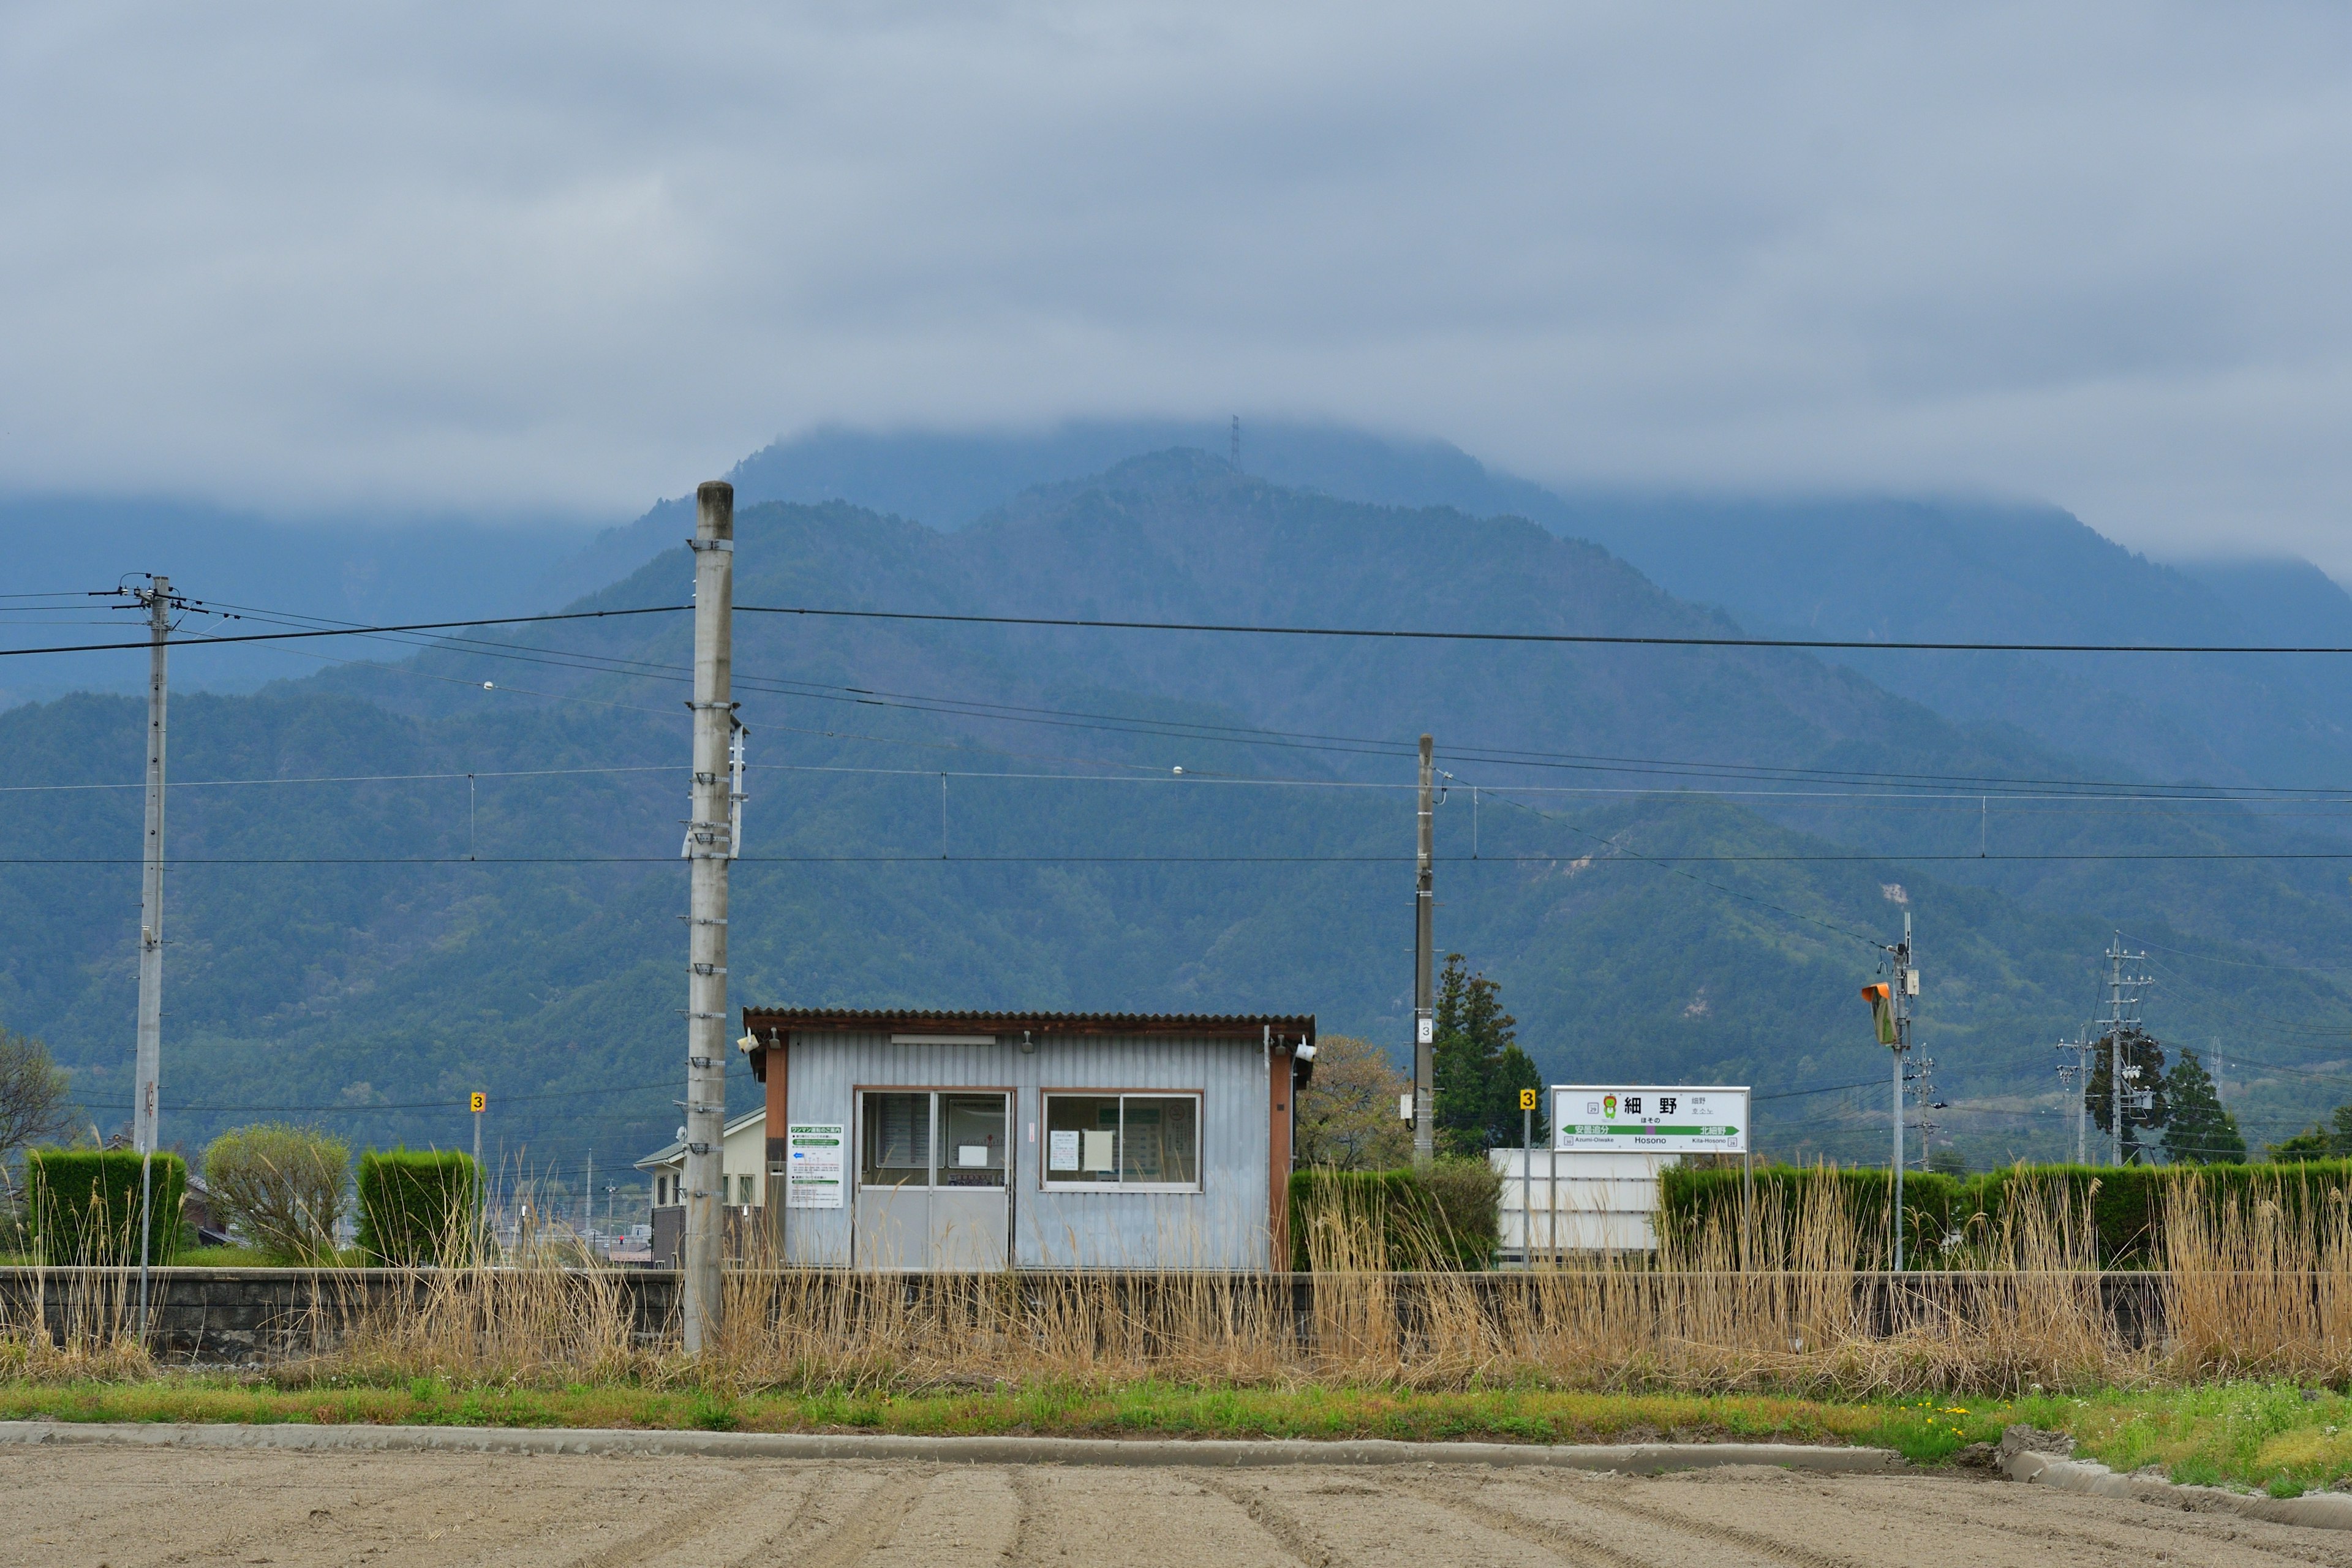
{"points": [[1649, 1119]]}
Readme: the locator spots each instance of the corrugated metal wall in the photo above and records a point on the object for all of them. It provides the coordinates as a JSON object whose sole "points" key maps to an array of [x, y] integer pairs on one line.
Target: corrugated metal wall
{"points": [[1223, 1226]]}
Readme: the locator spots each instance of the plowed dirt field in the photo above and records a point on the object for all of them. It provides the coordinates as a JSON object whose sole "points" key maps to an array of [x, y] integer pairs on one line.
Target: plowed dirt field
{"points": [[129, 1508]]}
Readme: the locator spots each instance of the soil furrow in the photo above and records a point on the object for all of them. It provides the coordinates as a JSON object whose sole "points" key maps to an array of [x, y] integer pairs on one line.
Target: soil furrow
{"points": [[1279, 1522], [820, 1491], [874, 1520], [674, 1526], [2217, 1530], [1562, 1540], [1763, 1545], [1023, 1552], [332, 1498]]}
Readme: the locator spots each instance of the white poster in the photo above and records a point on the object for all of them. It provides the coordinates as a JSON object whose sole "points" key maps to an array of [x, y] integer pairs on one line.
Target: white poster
{"points": [[813, 1156], [1649, 1119], [1062, 1149]]}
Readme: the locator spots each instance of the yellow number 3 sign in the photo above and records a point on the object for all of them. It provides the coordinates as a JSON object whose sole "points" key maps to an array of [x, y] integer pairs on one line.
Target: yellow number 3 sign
{"points": [[1527, 1100], [476, 1100]]}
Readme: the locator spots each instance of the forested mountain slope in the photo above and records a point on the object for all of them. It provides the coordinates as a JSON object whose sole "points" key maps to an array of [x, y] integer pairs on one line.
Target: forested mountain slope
{"points": [[973, 815]]}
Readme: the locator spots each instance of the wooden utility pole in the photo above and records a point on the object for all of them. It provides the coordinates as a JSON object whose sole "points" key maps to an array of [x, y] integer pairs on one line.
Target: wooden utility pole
{"points": [[1424, 982], [710, 844]]}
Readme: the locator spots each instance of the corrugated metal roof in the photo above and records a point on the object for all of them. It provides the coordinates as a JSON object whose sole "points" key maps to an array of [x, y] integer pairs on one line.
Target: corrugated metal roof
{"points": [[910, 1021], [757, 1021]]}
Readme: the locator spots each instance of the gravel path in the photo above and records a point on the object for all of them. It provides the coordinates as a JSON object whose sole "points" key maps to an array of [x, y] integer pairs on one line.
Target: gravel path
{"points": [[129, 1508]]}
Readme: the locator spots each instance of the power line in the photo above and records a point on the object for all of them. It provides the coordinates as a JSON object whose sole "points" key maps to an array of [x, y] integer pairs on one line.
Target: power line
{"points": [[1825, 1089], [1889, 857], [1391, 634], [1567, 637], [454, 1107], [1255, 735], [2237, 962], [351, 631], [2205, 1010], [1667, 864], [364, 778], [1855, 800]]}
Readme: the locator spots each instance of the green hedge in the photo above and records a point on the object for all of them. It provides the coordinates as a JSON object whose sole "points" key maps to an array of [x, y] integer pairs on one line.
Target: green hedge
{"points": [[418, 1206], [1443, 1217], [2126, 1202], [84, 1205]]}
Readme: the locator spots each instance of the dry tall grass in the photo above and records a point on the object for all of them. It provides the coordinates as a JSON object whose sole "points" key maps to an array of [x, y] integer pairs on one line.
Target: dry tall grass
{"points": [[2260, 1282], [2256, 1283]]}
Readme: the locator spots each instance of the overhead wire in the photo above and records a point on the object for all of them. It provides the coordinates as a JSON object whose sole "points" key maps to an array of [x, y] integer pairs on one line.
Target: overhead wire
{"points": [[355, 631], [1574, 638], [1243, 735], [1888, 857], [1959, 783], [2234, 962], [456, 1106]]}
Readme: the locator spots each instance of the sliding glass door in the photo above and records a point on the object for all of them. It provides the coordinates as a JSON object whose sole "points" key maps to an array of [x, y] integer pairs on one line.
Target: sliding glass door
{"points": [[933, 1179]]}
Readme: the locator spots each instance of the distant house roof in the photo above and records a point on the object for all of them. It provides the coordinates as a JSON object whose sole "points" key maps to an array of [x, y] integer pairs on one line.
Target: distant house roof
{"points": [[670, 1153], [1288, 1027]]}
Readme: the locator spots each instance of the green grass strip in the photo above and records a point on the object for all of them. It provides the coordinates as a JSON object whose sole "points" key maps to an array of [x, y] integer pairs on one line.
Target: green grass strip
{"points": [[2268, 1436]]}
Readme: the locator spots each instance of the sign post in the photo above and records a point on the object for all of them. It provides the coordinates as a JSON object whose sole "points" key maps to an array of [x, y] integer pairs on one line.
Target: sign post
{"points": [[1649, 1119], [478, 1102], [1527, 1177]]}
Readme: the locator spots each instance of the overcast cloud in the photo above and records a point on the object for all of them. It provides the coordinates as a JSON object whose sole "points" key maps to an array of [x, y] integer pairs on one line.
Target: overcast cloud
{"points": [[506, 257]]}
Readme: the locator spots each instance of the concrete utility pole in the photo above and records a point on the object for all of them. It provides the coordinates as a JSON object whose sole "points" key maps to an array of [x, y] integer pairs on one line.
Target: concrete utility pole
{"points": [[1424, 975], [1923, 1090], [2115, 1053], [2069, 1075], [1905, 987], [148, 1068], [2123, 1016], [710, 843]]}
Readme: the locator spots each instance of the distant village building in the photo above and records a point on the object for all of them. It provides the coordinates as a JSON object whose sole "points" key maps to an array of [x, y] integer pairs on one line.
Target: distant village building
{"points": [[743, 1160], [915, 1140]]}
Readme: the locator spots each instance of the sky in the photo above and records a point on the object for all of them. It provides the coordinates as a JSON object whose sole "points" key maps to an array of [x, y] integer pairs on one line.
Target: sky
{"points": [[502, 258]]}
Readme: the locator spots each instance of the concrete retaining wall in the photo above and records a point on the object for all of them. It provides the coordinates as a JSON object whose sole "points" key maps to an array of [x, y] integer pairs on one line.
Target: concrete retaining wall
{"points": [[243, 1315]]}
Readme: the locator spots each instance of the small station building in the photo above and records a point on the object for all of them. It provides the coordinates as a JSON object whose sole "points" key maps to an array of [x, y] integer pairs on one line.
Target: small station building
{"points": [[921, 1139]]}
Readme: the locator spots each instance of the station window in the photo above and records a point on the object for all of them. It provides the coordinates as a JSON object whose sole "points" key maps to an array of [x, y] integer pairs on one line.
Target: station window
{"points": [[925, 1139], [1123, 1139]]}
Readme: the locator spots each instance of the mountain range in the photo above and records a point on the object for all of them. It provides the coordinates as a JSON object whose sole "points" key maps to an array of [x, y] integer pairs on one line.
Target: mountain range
{"points": [[1676, 860]]}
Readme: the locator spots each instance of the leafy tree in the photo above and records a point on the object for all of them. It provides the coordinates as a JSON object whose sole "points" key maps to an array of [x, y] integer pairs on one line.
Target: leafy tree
{"points": [[2200, 1132], [33, 1093], [1479, 1067], [1347, 1115], [2329, 1140], [282, 1188], [1948, 1160], [2141, 1052]]}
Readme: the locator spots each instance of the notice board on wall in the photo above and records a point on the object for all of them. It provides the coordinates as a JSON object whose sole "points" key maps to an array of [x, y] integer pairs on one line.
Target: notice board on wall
{"points": [[813, 1165]]}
